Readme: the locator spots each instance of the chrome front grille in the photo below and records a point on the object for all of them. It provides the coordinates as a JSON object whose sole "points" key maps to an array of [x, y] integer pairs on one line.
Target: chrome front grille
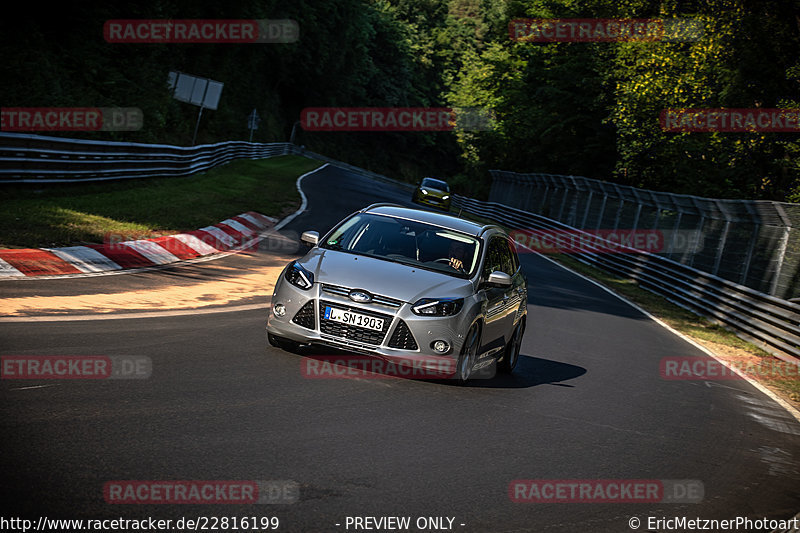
{"points": [[344, 292]]}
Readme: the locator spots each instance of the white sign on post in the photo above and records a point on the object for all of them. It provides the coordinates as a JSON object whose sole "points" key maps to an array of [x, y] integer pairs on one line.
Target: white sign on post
{"points": [[201, 92], [213, 93]]}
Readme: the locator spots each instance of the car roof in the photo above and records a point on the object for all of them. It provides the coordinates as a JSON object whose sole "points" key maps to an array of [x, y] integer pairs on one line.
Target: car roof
{"points": [[429, 217]]}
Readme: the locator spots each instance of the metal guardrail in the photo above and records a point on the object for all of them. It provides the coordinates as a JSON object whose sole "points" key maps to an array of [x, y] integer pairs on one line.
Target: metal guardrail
{"points": [[40, 159], [755, 243], [769, 322]]}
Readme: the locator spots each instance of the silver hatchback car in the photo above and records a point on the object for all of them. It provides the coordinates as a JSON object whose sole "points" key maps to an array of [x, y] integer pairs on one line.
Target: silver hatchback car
{"points": [[406, 285]]}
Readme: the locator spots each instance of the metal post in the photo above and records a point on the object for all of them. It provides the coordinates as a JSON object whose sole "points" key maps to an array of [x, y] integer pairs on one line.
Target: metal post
{"points": [[700, 231], [638, 209], [787, 226], [199, 114], [586, 211], [294, 127], [721, 247], [563, 203], [750, 248], [773, 288], [527, 205], [674, 230], [544, 198], [602, 210]]}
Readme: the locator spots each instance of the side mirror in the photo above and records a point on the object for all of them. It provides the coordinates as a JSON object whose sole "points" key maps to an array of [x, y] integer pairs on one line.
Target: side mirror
{"points": [[310, 237], [499, 279]]}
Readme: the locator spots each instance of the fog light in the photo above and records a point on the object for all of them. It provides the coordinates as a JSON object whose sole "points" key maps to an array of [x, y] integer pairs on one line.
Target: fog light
{"points": [[440, 346], [279, 310]]}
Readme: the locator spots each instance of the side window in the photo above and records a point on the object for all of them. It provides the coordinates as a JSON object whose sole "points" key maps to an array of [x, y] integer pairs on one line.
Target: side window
{"points": [[514, 258], [498, 257]]}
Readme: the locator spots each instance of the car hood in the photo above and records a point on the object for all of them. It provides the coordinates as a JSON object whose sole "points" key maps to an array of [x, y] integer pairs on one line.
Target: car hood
{"points": [[394, 280]]}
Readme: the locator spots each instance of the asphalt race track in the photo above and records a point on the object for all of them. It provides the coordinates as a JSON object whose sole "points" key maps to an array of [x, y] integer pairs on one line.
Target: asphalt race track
{"points": [[587, 402]]}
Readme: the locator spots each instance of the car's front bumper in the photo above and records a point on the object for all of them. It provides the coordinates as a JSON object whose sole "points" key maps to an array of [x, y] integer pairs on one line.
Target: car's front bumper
{"points": [[405, 337], [433, 201]]}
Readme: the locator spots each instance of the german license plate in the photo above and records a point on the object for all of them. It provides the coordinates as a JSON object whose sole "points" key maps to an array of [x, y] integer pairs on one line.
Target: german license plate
{"points": [[353, 319]]}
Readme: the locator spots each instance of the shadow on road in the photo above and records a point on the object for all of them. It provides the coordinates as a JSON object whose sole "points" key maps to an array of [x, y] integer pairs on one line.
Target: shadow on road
{"points": [[532, 371], [327, 363]]}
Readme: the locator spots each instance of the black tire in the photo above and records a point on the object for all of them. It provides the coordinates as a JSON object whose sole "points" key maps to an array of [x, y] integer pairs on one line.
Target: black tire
{"points": [[469, 353], [282, 343], [511, 354]]}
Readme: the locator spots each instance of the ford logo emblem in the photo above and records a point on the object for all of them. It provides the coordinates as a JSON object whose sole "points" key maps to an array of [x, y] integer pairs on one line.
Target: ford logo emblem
{"points": [[360, 296]]}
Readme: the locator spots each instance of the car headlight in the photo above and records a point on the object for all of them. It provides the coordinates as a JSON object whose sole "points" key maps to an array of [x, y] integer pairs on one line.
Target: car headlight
{"points": [[438, 306], [299, 276], [424, 191], [445, 197]]}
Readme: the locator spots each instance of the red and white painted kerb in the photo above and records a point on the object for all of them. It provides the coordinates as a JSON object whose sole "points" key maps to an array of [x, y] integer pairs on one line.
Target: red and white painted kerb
{"points": [[233, 234]]}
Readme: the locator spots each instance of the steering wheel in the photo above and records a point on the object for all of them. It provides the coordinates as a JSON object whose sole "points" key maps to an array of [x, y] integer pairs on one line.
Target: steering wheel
{"points": [[447, 260]]}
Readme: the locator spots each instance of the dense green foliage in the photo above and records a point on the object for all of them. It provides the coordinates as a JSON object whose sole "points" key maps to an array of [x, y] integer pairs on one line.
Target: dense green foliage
{"points": [[568, 108]]}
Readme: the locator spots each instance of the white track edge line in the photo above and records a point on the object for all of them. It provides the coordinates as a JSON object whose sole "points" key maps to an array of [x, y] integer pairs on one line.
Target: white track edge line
{"points": [[304, 200], [774, 397]]}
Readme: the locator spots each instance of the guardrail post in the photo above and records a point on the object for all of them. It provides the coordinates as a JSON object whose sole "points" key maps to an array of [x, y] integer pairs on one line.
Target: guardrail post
{"points": [[674, 229], [773, 288], [531, 187], [638, 210], [602, 210], [544, 198], [563, 203], [721, 247], [749, 257], [586, 211]]}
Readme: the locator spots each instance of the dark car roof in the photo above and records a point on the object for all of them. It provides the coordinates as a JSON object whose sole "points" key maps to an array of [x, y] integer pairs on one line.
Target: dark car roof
{"points": [[429, 217]]}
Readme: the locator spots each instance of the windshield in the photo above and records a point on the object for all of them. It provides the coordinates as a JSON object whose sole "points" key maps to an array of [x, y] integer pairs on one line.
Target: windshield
{"points": [[435, 184], [403, 241]]}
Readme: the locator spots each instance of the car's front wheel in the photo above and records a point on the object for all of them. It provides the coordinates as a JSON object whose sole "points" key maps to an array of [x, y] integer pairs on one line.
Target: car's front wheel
{"points": [[469, 353], [511, 355]]}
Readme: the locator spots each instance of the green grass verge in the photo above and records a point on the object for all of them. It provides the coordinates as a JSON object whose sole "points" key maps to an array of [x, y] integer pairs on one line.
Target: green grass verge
{"points": [[64, 215]]}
